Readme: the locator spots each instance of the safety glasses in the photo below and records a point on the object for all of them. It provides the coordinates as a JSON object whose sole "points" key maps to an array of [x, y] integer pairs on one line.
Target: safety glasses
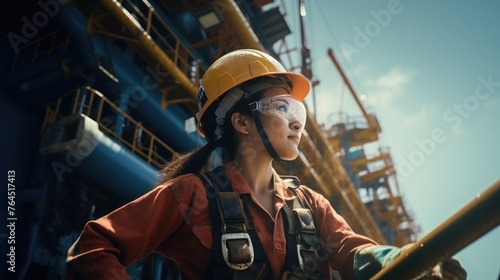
{"points": [[284, 105]]}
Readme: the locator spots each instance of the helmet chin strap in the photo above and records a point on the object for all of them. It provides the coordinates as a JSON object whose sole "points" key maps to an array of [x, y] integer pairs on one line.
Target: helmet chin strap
{"points": [[234, 96], [263, 137], [258, 87]]}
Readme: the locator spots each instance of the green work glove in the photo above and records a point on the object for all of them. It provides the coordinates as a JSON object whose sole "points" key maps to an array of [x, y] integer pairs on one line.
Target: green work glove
{"points": [[368, 261]]}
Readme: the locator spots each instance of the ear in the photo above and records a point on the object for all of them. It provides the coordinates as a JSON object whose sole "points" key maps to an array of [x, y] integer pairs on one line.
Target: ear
{"points": [[241, 123]]}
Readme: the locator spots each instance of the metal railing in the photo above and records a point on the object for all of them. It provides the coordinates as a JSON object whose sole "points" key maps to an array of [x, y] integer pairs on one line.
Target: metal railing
{"points": [[42, 47], [138, 23], [142, 27], [156, 27], [95, 105]]}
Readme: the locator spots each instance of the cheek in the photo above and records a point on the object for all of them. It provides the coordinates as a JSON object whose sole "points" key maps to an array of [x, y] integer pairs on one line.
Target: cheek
{"points": [[277, 125]]}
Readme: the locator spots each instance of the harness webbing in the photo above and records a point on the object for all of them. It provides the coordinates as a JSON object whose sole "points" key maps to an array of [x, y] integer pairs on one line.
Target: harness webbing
{"points": [[217, 268], [302, 239], [231, 220]]}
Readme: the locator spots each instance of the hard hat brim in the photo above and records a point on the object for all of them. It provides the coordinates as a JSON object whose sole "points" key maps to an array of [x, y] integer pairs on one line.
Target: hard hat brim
{"points": [[300, 85]]}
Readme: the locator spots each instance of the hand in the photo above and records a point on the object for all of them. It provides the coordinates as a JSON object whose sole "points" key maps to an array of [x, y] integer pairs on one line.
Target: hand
{"points": [[450, 269], [434, 274]]}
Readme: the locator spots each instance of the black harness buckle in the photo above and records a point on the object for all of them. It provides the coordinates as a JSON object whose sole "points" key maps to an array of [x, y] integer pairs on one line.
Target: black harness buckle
{"points": [[237, 250], [308, 259]]}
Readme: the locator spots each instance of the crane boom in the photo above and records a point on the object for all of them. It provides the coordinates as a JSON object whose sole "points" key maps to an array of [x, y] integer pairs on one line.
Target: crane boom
{"points": [[348, 83]]}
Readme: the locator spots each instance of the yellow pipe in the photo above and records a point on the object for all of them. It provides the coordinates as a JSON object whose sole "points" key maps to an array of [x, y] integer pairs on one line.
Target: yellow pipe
{"points": [[467, 225], [231, 12], [235, 18], [147, 46]]}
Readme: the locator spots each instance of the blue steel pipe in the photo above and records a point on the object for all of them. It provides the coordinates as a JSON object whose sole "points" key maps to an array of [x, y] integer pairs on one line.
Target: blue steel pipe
{"points": [[144, 96], [28, 72], [73, 22], [144, 99], [32, 78], [78, 145], [114, 167], [90, 153]]}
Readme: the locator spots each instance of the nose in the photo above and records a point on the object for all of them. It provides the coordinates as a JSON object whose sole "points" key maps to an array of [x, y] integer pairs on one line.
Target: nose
{"points": [[296, 125]]}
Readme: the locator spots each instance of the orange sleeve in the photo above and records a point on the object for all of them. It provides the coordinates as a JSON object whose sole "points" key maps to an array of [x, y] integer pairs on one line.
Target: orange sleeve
{"points": [[109, 244]]}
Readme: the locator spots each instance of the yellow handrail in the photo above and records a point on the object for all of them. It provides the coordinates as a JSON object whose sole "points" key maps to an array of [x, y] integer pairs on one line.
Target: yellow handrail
{"points": [[467, 225], [147, 32], [93, 106], [39, 52]]}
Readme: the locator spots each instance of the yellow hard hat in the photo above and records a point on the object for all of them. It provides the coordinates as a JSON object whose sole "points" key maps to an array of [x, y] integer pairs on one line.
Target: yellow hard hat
{"points": [[238, 67]]}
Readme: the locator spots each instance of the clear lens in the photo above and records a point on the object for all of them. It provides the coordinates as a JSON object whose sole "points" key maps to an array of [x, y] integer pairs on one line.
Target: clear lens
{"points": [[285, 106]]}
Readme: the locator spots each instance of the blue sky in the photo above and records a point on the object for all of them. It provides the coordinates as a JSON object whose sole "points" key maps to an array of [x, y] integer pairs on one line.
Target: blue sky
{"points": [[430, 71]]}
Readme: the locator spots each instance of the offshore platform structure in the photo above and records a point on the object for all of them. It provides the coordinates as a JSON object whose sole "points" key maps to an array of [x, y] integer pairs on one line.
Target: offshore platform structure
{"points": [[101, 94], [374, 176]]}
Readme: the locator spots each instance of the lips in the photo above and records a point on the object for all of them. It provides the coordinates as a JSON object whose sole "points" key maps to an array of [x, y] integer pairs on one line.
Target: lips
{"points": [[295, 137]]}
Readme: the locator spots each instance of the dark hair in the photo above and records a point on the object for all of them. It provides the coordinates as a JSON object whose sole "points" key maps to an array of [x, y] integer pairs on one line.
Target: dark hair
{"points": [[194, 161]]}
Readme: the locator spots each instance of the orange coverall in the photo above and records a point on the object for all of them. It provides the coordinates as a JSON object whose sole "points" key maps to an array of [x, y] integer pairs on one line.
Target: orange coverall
{"points": [[173, 219]]}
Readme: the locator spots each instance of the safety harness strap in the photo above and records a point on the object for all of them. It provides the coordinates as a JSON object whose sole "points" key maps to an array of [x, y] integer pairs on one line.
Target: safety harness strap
{"points": [[302, 239], [216, 259], [238, 253]]}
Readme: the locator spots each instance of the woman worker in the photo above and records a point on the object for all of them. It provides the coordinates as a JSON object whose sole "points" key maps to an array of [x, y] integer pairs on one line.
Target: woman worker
{"points": [[240, 220]]}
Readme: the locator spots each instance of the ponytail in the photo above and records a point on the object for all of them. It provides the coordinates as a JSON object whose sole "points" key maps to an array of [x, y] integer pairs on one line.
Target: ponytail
{"points": [[194, 161], [191, 162]]}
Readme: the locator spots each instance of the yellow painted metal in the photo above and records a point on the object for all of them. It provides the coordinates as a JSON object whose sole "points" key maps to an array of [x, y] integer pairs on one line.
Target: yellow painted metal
{"points": [[471, 222], [375, 171], [331, 179], [38, 48], [166, 57], [374, 175], [318, 156], [93, 107], [364, 161], [358, 131], [318, 162], [235, 18], [383, 197], [370, 118], [148, 45]]}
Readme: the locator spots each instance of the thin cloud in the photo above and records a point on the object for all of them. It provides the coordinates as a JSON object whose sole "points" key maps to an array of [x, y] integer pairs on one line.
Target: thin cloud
{"points": [[382, 91], [383, 96], [422, 117], [395, 79], [380, 95]]}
